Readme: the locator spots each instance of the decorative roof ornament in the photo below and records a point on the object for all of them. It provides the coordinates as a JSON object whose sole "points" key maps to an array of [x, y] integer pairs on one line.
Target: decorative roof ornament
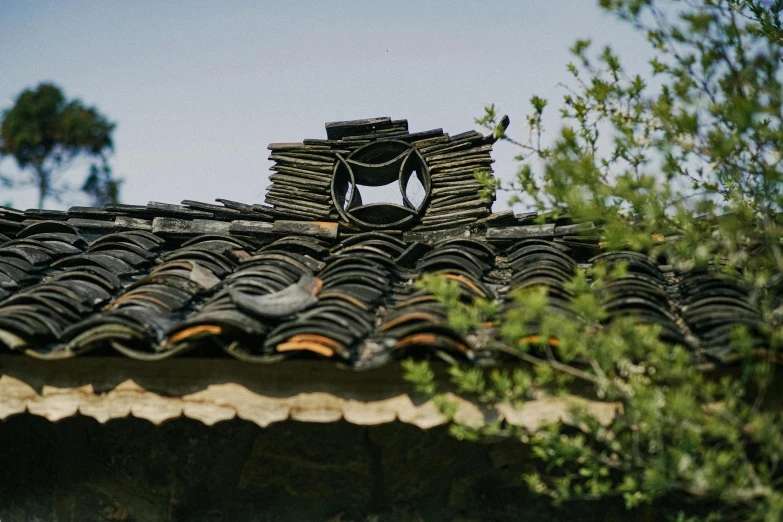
{"points": [[323, 179], [379, 163]]}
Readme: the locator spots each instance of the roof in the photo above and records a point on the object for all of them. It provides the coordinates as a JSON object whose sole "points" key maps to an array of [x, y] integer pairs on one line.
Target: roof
{"points": [[301, 277]]}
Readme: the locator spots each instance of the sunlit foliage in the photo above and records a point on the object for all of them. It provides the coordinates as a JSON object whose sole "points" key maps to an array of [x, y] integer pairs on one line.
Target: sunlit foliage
{"points": [[682, 164]]}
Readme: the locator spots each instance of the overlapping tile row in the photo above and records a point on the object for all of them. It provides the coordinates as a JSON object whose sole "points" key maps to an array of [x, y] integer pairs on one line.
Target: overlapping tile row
{"points": [[540, 263], [415, 321], [39, 320], [10, 222], [295, 297], [640, 292], [267, 290], [699, 309], [135, 322], [190, 219], [24, 259], [713, 306], [357, 277]]}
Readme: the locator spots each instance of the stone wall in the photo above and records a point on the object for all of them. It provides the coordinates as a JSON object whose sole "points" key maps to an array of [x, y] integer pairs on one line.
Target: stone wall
{"points": [[130, 470]]}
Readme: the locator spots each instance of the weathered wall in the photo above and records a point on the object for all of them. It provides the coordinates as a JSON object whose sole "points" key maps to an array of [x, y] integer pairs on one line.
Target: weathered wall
{"points": [[128, 469]]}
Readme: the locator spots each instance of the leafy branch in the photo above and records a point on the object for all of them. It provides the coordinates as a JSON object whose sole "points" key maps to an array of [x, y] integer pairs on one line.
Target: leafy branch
{"points": [[682, 165]]}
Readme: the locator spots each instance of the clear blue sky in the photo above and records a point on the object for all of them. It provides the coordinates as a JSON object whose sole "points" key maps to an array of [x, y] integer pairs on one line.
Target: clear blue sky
{"points": [[198, 89]]}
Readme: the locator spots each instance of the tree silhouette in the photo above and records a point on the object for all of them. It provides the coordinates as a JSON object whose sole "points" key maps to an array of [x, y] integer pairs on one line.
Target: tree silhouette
{"points": [[44, 132]]}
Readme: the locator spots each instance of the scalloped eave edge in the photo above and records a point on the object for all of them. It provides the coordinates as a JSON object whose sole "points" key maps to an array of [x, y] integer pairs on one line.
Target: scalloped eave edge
{"points": [[220, 402]]}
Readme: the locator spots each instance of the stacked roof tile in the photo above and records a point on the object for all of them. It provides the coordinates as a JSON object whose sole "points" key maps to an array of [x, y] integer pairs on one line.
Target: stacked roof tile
{"points": [[332, 279], [322, 179]]}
